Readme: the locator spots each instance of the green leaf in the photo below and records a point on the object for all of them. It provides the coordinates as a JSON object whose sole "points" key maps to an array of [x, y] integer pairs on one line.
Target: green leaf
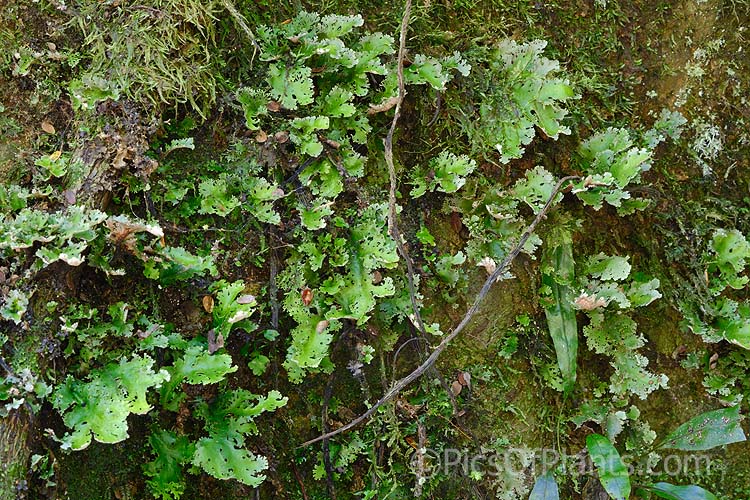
{"points": [[706, 431], [561, 317], [258, 364], [231, 307], [196, 366], [55, 166], [448, 174], [545, 488], [99, 408], [536, 188], [291, 86], [333, 26], [215, 198], [613, 473], [338, 103], [172, 452], [730, 252], [518, 93], [254, 104], [304, 134], [179, 265], [606, 268], [642, 291], [14, 306], [314, 218], [734, 322], [13, 198], [221, 458], [186, 143], [426, 70], [672, 492], [228, 420]]}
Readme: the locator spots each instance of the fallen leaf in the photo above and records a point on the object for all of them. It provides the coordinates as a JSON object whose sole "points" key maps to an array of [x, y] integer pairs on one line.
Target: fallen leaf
{"points": [[55, 156], [307, 296], [321, 326], [489, 265], [464, 378], [261, 137], [215, 342], [456, 387], [208, 303], [713, 361], [679, 351], [587, 302], [273, 107], [281, 137], [246, 299], [70, 196], [48, 127]]}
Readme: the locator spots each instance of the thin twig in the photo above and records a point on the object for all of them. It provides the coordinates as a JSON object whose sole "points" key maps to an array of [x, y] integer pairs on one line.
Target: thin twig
{"points": [[491, 280], [299, 481], [273, 289], [242, 23], [326, 448], [392, 207], [393, 229], [437, 111]]}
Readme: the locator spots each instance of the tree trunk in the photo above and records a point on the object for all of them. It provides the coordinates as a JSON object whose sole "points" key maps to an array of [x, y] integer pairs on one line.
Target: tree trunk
{"points": [[14, 456]]}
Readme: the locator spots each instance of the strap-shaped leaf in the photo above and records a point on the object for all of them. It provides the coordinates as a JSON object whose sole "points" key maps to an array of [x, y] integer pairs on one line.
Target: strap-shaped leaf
{"points": [[545, 488], [708, 430], [672, 492], [613, 473], [561, 317]]}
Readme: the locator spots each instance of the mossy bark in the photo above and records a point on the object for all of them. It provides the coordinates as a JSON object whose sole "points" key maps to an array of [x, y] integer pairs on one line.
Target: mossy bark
{"points": [[14, 456]]}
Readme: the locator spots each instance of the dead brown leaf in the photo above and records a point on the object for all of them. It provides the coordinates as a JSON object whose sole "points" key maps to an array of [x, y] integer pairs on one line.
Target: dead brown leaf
{"points": [[208, 303], [215, 342], [307, 296], [48, 127]]}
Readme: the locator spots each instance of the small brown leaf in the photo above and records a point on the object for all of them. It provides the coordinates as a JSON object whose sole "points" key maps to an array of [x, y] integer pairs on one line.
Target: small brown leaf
{"points": [[70, 196], [331, 143], [464, 378], [489, 265], [48, 127], [456, 387], [273, 106], [51, 46], [679, 351], [208, 303], [215, 342], [377, 278], [587, 302], [713, 361], [246, 299], [321, 326], [281, 137], [261, 137], [307, 296]]}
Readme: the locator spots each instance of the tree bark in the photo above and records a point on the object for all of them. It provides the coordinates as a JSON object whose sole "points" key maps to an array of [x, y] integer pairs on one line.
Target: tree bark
{"points": [[14, 456]]}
